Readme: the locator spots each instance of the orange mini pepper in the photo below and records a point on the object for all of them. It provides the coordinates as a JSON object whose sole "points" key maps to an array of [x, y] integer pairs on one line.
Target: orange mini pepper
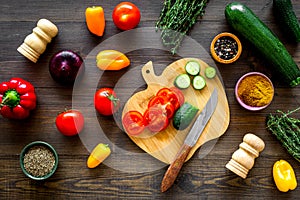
{"points": [[111, 60], [98, 155], [95, 20], [284, 176]]}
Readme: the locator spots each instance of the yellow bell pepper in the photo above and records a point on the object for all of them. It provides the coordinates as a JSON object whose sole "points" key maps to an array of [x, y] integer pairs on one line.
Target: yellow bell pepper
{"points": [[284, 176], [98, 155], [111, 60]]}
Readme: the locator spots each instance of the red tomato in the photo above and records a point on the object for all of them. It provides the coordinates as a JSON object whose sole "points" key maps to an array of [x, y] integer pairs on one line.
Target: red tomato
{"points": [[155, 119], [70, 122], [170, 96], [179, 94], [106, 101], [165, 105], [133, 122], [126, 16]]}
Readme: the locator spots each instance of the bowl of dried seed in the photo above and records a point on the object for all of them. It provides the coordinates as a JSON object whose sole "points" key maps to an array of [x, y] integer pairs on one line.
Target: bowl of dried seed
{"points": [[225, 48], [38, 160]]}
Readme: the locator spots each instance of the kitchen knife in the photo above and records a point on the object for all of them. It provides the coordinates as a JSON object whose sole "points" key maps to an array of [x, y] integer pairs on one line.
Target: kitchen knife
{"points": [[190, 141]]}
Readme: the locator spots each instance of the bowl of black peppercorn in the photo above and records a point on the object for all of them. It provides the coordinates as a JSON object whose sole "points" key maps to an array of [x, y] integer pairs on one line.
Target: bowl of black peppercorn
{"points": [[226, 48]]}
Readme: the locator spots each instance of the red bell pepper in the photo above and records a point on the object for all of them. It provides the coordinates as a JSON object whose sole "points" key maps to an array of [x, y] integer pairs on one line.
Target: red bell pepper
{"points": [[17, 98]]}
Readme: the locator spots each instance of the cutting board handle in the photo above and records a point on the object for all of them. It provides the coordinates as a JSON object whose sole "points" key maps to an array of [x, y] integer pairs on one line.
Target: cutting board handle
{"points": [[150, 77]]}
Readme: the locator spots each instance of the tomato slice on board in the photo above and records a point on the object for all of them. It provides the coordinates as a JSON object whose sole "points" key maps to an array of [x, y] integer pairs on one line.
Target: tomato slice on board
{"points": [[133, 122], [179, 95], [166, 106], [155, 119], [172, 96]]}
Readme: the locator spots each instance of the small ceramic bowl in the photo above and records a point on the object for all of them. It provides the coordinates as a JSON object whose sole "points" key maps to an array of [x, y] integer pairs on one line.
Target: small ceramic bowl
{"points": [[38, 144], [217, 57], [238, 90]]}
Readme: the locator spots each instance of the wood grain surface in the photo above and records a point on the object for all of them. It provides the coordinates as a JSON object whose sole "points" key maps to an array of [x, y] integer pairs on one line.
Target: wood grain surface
{"points": [[204, 176], [165, 144]]}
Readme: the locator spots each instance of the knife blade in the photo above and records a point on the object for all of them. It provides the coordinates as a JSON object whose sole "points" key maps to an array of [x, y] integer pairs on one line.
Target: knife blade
{"points": [[190, 141]]}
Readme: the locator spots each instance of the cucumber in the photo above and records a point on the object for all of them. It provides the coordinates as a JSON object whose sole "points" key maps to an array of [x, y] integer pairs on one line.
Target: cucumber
{"points": [[199, 82], [248, 25], [182, 81], [210, 72], [284, 13], [192, 68], [184, 116]]}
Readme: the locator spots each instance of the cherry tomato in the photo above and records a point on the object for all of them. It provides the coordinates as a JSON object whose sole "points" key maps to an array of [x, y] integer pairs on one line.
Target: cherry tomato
{"points": [[126, 16], [133, 122], [70, 122], [155, 119], [106, 101]]}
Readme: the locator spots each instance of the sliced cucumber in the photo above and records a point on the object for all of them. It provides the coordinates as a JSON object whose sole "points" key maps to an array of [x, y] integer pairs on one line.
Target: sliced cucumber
{"points": [[210, 72], [182, 81], [184, 116], [192, 68], [199, 82]]}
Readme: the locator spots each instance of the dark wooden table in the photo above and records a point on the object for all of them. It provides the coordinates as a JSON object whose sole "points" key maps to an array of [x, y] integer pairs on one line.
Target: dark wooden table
{"points": [[200, 178]]}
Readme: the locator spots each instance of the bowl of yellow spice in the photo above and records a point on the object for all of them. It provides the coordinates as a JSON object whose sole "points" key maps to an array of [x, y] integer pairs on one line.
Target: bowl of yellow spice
{"points": [[254, 91]]}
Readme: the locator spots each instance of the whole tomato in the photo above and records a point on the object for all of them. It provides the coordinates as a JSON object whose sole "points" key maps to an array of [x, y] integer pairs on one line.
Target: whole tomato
{"points": [[126, 16], [70, 122], [106, 101]]}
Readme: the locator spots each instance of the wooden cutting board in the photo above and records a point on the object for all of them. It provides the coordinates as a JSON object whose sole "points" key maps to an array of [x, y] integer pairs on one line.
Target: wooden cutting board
{"points": [[165, 144]]}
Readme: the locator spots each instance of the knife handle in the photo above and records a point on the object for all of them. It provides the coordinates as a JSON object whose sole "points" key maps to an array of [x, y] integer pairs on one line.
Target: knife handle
{"points": [[175, 167]]}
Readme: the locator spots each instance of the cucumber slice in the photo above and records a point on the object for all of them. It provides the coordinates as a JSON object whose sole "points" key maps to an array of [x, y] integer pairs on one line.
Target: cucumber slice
{"points": [[199, 82], [210, 72], [182, 81], [192, 68]]}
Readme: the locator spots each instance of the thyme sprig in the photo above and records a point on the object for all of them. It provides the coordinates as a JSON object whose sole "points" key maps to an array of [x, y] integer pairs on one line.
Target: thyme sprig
{"points": [[287, 131], [176, 18]]}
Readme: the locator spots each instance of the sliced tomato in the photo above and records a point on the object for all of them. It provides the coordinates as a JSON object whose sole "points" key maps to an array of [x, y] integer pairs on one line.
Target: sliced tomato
{"points": [[166, 106], [155, 119], [133, 122], [179, 95], [170, 96], [157, 100]]}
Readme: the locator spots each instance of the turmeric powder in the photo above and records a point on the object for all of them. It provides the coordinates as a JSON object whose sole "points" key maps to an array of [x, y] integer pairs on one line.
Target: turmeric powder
{"points": [[255, 90]]}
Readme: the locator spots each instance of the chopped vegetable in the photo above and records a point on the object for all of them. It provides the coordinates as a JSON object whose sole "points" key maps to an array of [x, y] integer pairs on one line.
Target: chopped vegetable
{"points": [[192, 68], [184, 116], [98, 155], [287, 131], [111, 60], [199, 82], [133, 122], [182, 81], [284, 13], [210, 72], [17, 98], [176, 18], [284, 176], [95, 20]]}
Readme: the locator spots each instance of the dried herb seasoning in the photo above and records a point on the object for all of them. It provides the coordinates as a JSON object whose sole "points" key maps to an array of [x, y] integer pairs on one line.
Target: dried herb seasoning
{"points": [[39, 161]]}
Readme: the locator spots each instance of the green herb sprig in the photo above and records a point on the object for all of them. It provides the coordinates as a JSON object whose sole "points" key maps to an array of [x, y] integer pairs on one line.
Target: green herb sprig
{"points": [[176, 18], [287, 131]]}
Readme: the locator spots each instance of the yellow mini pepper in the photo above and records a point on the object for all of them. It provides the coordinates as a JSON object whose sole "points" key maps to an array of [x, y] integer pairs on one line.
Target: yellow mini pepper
{"points": [[284, 176], [111, 60], [95, 20], [98, 155]]}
